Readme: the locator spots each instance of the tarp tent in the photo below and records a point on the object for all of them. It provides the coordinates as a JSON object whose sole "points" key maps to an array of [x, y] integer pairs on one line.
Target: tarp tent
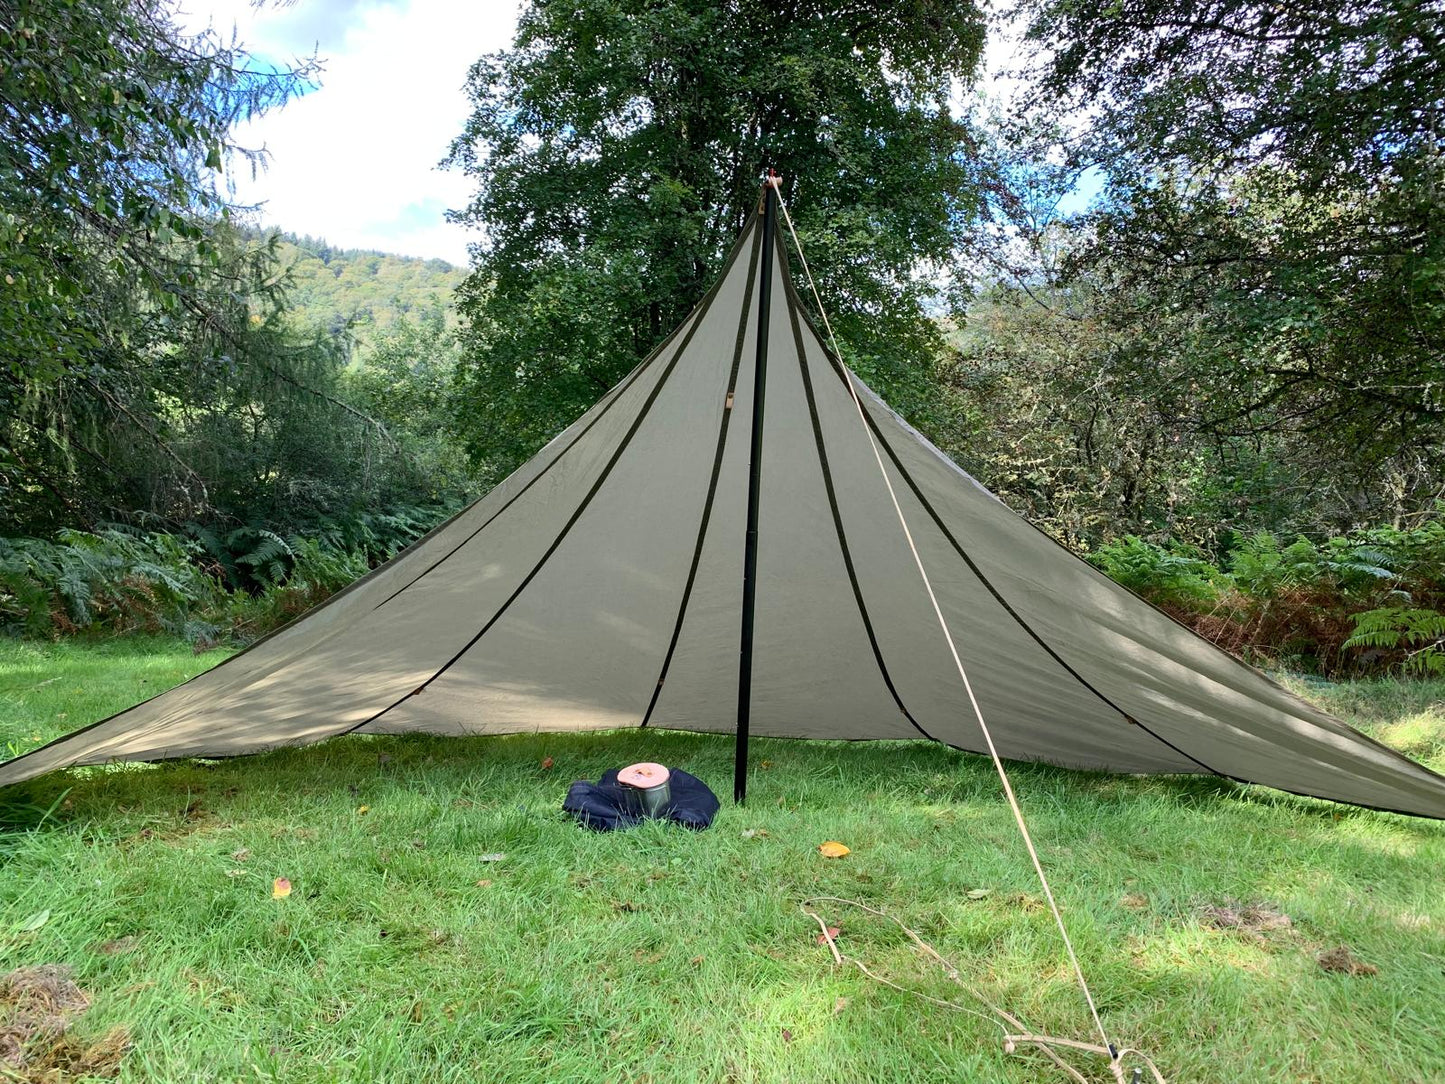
{"points": [[600, 586]]}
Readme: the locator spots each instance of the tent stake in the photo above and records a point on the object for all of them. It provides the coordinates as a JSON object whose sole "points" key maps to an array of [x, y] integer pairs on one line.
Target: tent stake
{"points": [[755, 469]]}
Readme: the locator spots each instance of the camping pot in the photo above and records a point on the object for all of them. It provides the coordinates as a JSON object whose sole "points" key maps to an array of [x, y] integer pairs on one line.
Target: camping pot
{"points": [[645, 788]]}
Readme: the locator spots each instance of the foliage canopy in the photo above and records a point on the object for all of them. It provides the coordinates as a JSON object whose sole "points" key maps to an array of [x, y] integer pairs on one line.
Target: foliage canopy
{"points": [[618, 146]]}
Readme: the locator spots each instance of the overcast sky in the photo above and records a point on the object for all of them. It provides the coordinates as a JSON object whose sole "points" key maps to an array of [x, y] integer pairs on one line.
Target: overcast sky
{"points": [[355, 161]]}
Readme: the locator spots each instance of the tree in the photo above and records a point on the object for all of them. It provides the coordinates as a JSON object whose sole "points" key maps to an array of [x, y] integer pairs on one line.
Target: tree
{"points": [[114, 125], [148, 370], [618, 147], [1274, 178]]}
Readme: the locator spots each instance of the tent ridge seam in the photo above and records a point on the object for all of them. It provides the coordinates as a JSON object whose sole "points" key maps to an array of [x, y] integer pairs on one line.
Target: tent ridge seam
{"points": [[702, 311], [712, 482], [622, 390], [840, 370], [843, 548]]}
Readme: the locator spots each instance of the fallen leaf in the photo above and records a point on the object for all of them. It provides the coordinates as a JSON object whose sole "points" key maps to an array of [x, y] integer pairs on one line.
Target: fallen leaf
{"points": [[840, 1005], [484, 883], [237, 872], [495, 856], [1341, 959], [625, 905], [833, 849], [787, 1036], [119, 946], [831, 935], [695, 961], [34, 922], [1135, 901], [1252, 918], [280, 889], [765, 764], [755, 833], [547, 764], [241, 855], [978, 893], [363, 810]]}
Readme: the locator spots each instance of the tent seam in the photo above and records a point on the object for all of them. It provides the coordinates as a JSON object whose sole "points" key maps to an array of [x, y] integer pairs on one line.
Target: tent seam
{"points": [[707, 507], [840, 371], [597, 485], [838, 518]]}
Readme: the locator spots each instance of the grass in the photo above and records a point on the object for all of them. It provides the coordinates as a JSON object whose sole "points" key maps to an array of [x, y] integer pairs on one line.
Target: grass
{"points": [[665, 956]]}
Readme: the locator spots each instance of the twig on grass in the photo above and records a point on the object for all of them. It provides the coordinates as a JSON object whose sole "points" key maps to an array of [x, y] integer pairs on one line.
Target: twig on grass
{"points": [[1022, 1034]]}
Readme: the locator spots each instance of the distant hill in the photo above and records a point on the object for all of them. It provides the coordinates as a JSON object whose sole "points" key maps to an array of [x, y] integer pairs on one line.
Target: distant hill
{"points": [[337, 287]]}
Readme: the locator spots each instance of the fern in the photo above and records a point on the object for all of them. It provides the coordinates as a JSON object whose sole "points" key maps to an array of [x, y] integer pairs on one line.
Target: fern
{"points": [[266, 554], [1158, 574], [1420, 633]]}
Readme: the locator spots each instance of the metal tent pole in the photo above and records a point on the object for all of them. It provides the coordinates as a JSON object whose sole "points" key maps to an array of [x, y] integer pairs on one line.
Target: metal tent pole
{"points": [[755, 467]]}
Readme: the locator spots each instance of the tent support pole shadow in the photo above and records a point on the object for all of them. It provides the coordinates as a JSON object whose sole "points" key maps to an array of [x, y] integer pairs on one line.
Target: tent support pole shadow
{"points": [[755, 470]]}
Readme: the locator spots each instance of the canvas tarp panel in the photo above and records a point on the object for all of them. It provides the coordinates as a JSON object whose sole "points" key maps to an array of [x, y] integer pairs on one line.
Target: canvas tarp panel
{"points": [[600, 586]]}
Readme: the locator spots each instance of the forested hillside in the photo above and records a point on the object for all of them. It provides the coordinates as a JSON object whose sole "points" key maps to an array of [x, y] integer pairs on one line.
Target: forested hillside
{"points": [[1220, 380], [358, 293]]}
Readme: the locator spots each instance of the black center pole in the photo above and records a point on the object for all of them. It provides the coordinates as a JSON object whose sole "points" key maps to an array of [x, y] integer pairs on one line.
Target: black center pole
{"points": [[769, 210]]}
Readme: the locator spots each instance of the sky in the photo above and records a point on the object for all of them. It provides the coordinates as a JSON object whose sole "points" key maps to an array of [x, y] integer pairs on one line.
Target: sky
{"points": [[355, 161]]}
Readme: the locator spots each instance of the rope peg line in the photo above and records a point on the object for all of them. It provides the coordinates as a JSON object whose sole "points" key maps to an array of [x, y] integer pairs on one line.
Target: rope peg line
{"points": [[1108, 1048]]}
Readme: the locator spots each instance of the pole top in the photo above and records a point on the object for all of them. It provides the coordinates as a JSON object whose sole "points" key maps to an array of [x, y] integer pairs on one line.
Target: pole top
{"points": [[771, 180]]}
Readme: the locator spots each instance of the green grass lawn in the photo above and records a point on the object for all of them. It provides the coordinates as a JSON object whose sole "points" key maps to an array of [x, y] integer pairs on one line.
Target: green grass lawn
{"points": [[664, 956]]}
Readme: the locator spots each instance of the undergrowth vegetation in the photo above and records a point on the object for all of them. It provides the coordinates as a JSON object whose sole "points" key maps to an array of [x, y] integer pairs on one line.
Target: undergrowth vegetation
{"points": [[205, 587], [1367, 602]]}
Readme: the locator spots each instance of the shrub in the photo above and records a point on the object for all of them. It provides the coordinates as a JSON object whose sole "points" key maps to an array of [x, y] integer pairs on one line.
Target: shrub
{"points": [[205, 587]]}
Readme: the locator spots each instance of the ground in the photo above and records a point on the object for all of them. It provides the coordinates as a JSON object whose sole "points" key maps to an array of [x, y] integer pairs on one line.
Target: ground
{"points": [[445, 923]]}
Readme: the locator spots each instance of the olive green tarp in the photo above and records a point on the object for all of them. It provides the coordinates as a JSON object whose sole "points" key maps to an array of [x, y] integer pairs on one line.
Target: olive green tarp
{"points": [[599, 586]]}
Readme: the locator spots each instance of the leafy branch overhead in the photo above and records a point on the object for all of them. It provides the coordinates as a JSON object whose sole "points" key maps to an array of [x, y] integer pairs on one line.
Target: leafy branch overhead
{"points": [[618, 147]]}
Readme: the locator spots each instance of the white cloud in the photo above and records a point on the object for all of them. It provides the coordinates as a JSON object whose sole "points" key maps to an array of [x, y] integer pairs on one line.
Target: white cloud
{"points": [[355, 161]]}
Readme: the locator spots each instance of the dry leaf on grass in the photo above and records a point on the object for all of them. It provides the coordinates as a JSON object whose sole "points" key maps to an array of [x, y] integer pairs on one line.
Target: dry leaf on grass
{"points": [[36, 1007], [1249, 917], [978, 893], [1342, 960], [241, 855], [787, 1036], [547, 764], [755, 833], [831, 935], [840, 1005], [833, 849], [280, 888], [495, 856], [363, 810]]}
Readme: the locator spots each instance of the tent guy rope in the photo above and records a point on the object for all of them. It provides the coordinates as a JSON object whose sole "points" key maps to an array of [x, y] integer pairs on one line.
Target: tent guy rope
{"points": [[774, 182]]}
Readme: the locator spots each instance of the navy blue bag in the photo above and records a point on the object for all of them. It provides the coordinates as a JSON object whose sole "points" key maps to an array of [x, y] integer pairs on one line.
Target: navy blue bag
{"points": [[603, 805]]}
